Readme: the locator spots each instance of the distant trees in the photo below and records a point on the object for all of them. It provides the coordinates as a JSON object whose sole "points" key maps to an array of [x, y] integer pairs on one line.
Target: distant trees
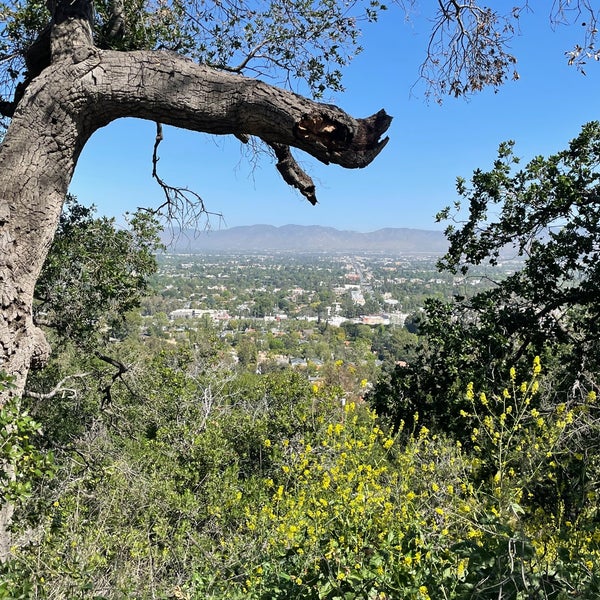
{"points": [[247, 352], [263, 305]]}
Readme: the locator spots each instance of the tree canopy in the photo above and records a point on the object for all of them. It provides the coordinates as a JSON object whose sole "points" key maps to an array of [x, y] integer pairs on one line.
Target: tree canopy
{"points": [[292, 41], [95, 273], [544, 215]]}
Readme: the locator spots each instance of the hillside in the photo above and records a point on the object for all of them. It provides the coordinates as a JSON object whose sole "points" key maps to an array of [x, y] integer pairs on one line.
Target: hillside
{"points": [[313, 238]]}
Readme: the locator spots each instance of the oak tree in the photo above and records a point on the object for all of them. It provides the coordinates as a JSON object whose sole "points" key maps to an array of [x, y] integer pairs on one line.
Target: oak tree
{"points": [[543, 218], [68, 68], [75, 83]]}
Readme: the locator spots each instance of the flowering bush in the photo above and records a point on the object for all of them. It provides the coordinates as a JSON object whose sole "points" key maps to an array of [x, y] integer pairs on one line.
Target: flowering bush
{"points": [[351, 515], [314, 499], [536, 539], [355, 513]]}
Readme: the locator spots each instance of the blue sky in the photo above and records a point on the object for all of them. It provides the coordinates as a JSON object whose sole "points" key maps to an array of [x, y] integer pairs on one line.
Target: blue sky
{"points": [[414, 176]]}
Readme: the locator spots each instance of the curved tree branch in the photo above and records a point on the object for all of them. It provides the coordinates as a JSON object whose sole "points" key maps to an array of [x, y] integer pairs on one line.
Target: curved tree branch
{"points": [[167, 88], [85, 89], [57, 389]]}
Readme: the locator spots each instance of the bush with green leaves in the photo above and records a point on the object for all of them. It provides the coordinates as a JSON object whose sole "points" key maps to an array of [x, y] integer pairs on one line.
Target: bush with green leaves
{"points": [[22, 466], [95, 273], [537, 521], [543, 216], [214, 485], [22, 462]]}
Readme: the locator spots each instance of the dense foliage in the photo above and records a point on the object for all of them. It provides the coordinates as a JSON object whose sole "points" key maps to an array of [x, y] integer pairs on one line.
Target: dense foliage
{"points": [[195, 484], [547, 215], [95, 273], [172, 466]]}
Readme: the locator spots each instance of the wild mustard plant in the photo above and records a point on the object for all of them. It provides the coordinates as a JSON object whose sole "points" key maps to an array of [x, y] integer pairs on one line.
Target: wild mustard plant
{"points": [[354, 515], [317, 500], [521, 530]]}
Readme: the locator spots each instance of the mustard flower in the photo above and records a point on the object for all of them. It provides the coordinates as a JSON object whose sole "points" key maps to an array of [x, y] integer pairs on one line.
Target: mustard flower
{"points": [[470, 395]]}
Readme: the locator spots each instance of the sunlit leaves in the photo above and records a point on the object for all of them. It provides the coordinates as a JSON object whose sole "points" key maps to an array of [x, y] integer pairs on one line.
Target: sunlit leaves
{"points": [[22, 464], [285, 40], [94, 273]]}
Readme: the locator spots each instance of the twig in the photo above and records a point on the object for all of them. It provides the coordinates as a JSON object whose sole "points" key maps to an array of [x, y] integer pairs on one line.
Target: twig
{"points": [[57, 389], [181, 205]]}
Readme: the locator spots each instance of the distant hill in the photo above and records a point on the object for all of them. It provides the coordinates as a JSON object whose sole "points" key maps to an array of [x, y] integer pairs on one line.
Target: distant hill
{"points": [[311, 238]]}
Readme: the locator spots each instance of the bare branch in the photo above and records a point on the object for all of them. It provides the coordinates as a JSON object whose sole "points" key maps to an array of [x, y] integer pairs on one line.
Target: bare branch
{"points": [[182, 205], [469, 49], [469, 45], [58, 389], [117, 376], [293, 174], [254, 53]]}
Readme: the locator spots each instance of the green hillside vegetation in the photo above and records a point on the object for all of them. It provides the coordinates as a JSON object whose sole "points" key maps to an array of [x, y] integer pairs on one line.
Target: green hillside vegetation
{"points": [[158, 456]]}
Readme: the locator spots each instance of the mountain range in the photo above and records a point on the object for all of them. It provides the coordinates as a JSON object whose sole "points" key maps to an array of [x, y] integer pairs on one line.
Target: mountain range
{"points": [[306, 238]]}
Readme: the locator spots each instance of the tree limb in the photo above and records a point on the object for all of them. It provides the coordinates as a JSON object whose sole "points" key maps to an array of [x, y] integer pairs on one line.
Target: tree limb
{"points": [[58, 389], [292, 173], [181, 205], [118, 375], [166, 88]]}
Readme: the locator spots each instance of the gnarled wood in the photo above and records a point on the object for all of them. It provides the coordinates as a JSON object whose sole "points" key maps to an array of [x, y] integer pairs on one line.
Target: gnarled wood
{"points": [[89, 88]]}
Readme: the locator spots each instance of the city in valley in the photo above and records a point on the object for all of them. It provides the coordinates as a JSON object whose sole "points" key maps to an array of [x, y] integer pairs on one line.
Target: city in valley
{"points": [[319, 313]]}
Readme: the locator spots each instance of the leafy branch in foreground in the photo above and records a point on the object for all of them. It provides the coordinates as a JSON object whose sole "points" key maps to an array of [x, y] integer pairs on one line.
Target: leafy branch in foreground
{"points": [[544, 218], [546, 213]]}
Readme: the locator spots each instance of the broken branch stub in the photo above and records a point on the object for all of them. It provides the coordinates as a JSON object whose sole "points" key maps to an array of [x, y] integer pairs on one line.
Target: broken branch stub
{"points": [[347, 148], [293, 174]]}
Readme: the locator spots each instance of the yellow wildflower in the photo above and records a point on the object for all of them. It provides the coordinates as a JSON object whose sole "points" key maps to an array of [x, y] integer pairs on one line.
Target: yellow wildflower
{"points": [[469, 393]]}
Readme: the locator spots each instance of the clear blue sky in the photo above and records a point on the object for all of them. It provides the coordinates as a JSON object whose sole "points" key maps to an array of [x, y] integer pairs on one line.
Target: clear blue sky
{"points": [[407, 184]]}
